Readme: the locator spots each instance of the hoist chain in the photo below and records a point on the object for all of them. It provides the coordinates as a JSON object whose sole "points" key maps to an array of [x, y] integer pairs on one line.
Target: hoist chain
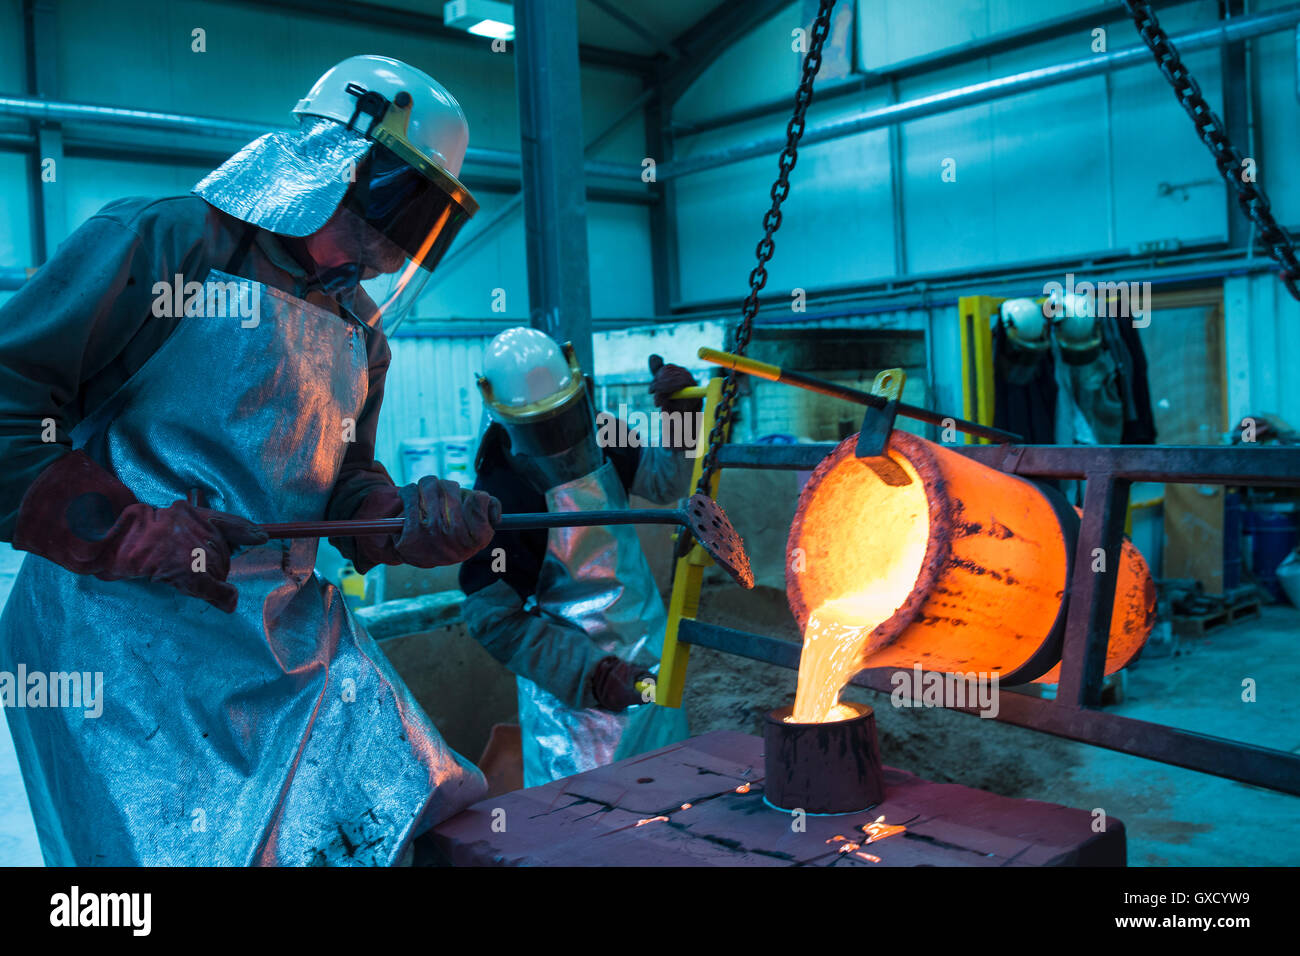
{"points": [[1232, 165], [771, 223]]}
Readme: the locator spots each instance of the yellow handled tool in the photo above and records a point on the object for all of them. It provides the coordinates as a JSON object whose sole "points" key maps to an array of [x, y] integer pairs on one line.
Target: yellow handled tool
{"points": [[774, 373]]}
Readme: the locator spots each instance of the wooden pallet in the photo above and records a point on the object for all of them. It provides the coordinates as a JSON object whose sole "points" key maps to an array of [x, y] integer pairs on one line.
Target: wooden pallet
{"points": [[1195, 625]]}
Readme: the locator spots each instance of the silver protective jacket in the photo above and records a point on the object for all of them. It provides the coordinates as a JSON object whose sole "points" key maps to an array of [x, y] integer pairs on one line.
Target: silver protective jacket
{"points": [[595, 579], [276, 735]]}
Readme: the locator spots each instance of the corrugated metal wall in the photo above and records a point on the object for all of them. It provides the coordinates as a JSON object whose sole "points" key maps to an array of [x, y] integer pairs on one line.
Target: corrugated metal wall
{"points": [[1262, 339], [1066, 171], [429, 393]]}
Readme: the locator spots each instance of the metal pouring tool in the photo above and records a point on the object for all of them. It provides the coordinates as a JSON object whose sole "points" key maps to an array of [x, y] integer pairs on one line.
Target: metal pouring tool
{"points": [[707, 522]]}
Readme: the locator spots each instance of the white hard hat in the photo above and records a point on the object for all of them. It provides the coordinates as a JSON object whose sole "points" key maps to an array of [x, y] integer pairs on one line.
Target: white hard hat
{"points": [[1024, 319], [534, 391], [1077, 329], [1068, 305], [436, 126], [523, 368]]}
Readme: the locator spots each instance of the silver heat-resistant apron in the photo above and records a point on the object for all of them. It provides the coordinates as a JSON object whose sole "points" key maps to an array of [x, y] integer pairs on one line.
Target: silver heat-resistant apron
{"points": [[275, 735], [596, 579]]}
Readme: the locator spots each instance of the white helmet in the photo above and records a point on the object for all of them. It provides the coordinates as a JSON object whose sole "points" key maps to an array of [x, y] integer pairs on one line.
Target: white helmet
{"points": [[535, 391], [1023, 319], [1077, 331], [379, 138], [523, 369], [433, 124]]}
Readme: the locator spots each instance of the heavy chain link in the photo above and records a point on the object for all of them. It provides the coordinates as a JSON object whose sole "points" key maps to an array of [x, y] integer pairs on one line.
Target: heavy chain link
{"points": [[1250, 195], [766, 247]]}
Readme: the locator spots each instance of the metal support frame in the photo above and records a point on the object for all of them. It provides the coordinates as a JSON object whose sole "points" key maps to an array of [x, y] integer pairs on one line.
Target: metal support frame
{"points": [[702, 42], [975, 313], [48, 208], [1108, 470], [688, 576], [635, 26], [1236, 113], [889, 75], [1230, 31], [506, 210], [555, 207], [663, 214], [238, 132]]}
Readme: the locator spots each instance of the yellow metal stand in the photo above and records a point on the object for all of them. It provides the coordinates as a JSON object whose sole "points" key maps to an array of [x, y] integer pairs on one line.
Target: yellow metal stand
{"points": [[689, 572], [976, 313]]}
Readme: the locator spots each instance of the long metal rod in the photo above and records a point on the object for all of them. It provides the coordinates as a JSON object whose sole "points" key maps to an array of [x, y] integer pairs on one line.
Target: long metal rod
{"points": [[1265, 466], [57, 111], [512, 522], [1232, 31], [811, 383]]}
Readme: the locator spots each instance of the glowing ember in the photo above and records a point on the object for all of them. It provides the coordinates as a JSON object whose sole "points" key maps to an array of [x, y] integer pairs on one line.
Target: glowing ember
{"points": [[870, 858], [879, 829], [849, 847], [743, 788], [686, 806], [642, 823], [835, 643]]}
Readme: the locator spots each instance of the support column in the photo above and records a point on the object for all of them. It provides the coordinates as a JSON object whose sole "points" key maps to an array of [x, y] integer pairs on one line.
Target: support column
{"points": [[48, 212], [551, 145]]}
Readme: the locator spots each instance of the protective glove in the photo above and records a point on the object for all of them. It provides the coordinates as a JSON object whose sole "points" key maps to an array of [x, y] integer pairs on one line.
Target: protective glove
{"points": [[669, 379], [444, 524], [84, 519], [614, 681]]}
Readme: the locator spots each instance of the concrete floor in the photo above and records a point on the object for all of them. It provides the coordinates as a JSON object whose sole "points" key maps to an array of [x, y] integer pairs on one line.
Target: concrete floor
{"points": [[1180, 818], [1174, 817]]}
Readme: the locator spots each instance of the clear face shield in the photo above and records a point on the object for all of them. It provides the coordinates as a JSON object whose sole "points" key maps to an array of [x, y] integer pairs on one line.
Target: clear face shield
{"points": [[401, 219]]}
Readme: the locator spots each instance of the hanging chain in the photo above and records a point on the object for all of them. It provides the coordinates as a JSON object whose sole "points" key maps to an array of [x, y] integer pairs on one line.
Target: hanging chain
{"points": [[771, 223], [1250, 195]]}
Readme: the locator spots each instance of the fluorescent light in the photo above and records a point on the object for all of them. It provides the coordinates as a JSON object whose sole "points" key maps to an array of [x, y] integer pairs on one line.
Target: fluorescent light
{"points": [[485, 18], [493, 28]]}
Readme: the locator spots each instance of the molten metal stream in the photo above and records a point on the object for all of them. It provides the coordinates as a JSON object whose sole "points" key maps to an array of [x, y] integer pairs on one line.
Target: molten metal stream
{"points": [[834, 646], [930, 558]]}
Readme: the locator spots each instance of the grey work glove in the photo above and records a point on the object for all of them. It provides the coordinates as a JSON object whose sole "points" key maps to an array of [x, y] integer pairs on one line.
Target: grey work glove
{"points": [[443, 524]]}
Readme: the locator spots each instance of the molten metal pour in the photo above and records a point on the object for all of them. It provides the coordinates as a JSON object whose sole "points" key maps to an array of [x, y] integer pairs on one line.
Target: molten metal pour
{"points": [[940, 562], [834, 648]]}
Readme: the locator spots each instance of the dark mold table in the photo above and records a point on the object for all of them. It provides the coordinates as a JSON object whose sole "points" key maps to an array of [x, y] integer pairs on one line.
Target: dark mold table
{"points": [[700, 803]]}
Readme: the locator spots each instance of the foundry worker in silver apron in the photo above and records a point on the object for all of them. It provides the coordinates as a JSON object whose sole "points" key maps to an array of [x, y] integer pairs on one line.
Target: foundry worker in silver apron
{"points": [[180, 370], [574, 613]]}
